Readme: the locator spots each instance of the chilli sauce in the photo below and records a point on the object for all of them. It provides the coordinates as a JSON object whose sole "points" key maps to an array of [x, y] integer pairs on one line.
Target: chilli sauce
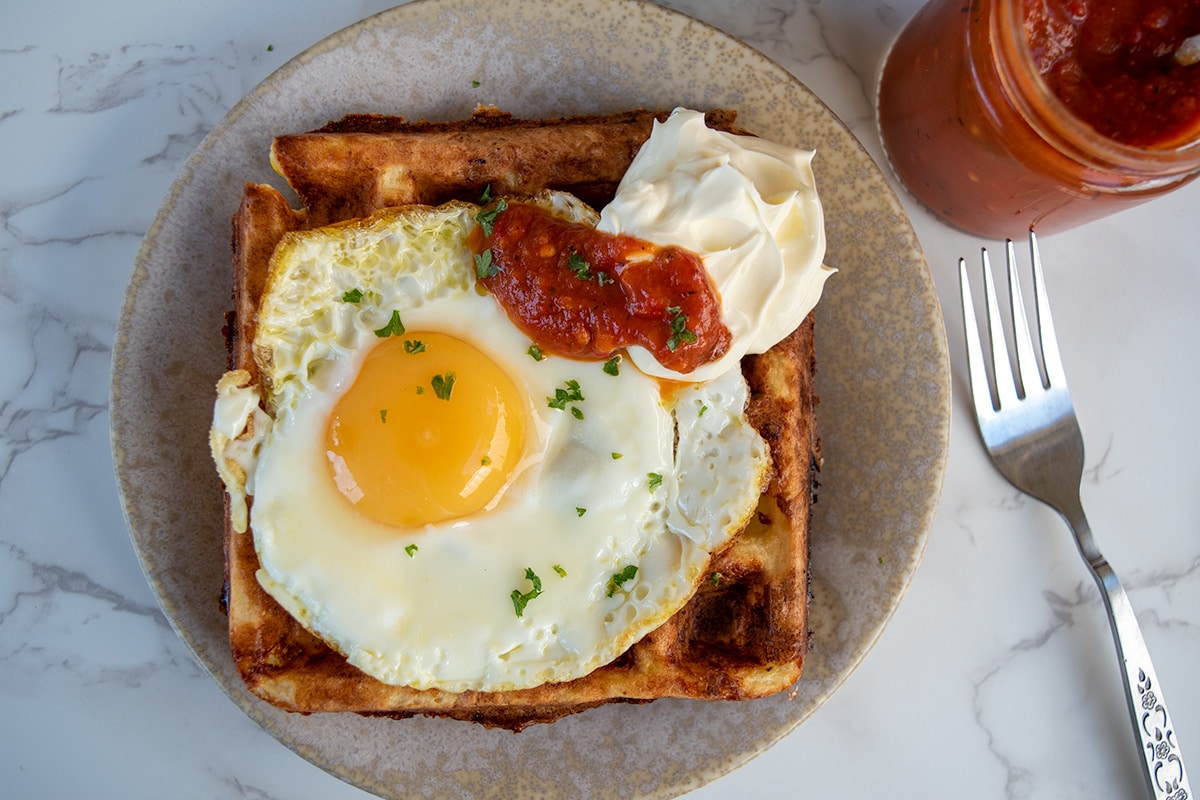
{"points": [[1114, 66], [583, 293]]}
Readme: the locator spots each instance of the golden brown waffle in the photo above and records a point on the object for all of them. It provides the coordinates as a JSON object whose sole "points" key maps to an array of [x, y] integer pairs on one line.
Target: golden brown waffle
{"points": [[744, 633]]}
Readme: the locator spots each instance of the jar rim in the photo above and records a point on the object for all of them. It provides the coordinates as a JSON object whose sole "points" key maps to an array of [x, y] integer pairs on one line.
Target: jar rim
{"points": [[1051, 118]]}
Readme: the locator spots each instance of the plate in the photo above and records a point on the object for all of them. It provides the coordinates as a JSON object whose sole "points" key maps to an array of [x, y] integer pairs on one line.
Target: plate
{"points": [[883, 377]]}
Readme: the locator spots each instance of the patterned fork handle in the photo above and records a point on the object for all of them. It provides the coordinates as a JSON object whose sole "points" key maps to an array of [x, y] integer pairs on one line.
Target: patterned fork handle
{"points": [[1152, 724]]}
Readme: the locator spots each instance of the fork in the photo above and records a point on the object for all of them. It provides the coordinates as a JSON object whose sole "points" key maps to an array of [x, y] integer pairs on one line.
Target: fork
{"points": [[1033, 437]]}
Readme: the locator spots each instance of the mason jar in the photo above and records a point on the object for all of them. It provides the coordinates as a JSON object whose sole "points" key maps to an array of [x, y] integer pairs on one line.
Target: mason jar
{"points": [[978, 135]]}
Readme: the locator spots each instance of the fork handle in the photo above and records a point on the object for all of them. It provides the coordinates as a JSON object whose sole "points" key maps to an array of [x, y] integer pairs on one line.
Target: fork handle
{"points": [[1164, 772]]}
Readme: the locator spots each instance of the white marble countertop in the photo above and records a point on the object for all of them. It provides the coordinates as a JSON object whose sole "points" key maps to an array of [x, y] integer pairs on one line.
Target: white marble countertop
{"points": [[996, 677]]}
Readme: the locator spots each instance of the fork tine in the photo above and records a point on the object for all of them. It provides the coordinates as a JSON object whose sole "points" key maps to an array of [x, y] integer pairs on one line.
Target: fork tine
{"points": [[1006, 387], [1027, 366], [981, 393], [1055, 374]]}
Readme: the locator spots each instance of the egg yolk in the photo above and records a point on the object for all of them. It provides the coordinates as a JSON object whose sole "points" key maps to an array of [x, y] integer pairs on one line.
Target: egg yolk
{"points": [[430, 430]]}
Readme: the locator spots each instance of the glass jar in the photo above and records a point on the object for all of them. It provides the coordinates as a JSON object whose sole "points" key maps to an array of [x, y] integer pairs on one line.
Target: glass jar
{"points": [[978, 137]]}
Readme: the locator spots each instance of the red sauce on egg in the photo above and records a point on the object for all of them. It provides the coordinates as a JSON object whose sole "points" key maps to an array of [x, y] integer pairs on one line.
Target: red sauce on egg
{"points": [[585, 294]]}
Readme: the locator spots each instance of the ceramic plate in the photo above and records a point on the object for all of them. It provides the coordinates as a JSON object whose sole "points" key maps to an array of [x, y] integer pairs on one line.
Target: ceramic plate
{"points": [[883, 377]]}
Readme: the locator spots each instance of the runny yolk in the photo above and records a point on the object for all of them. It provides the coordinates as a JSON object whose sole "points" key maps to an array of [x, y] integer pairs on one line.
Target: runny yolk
{"points": [[430, 430]]}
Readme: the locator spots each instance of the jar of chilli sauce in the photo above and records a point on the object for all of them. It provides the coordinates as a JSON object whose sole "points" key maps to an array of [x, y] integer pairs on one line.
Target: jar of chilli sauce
{"points": [[1006, 115]]}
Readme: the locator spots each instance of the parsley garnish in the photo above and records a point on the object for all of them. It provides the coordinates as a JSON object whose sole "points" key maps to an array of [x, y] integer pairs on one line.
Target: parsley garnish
{"points": [[536, 353], [654, 480], [411, 550], [616, 456], [716, 578], [562, 573], [485, 462], [394, 327], [420, 390], [583, 269], [383, 415], [487, 217], [355, 295], [579, 265], [562, 397], [486, 197], [521, 599], [484, 266], [679, 331], [443, 385], [580, 511], [612, 366], [414, 346], [475, 84], [619, 578]]}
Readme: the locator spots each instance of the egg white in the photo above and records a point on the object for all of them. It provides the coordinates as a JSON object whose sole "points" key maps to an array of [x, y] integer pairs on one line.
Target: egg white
{"points": [[430, 606]]}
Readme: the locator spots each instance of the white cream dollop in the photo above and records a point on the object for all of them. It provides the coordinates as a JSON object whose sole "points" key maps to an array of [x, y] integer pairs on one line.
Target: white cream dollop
{"points": [[749, 208]]}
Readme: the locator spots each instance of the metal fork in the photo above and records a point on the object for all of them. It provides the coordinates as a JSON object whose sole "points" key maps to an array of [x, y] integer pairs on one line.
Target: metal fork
{"points": [[1031, 433]]}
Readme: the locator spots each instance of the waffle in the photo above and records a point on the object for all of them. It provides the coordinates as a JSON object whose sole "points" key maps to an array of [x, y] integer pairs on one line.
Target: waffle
{"points": [[743, 634]]}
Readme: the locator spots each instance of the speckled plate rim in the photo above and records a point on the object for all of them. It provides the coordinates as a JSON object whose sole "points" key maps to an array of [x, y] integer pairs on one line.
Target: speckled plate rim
{"points": [[883, 377]]}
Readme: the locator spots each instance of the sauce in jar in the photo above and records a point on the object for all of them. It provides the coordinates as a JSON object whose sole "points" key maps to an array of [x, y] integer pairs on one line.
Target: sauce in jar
{"points": [[995, 147], [583, 293], [1113, 65]]}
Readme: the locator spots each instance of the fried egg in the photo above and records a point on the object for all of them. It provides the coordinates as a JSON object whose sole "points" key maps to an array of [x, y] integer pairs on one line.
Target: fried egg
{"points": [[444, 504]]}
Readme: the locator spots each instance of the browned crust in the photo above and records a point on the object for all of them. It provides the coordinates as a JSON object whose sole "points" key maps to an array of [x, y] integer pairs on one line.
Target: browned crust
{"points": [[744, 633], [363, 162]]}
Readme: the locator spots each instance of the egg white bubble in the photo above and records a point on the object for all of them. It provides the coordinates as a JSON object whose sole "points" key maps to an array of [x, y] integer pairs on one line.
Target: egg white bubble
{"points": [[580, 500]]}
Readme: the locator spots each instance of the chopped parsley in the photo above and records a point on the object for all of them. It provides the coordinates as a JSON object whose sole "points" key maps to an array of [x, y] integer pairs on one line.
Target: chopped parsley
{"points": [[562, 573], [616, 456], [394, 327], [580, 266], [475, 84], [487, 217], [521, 599], [485, 462], [679, 330], [562, 397], [414, 346], [355, 295], [383, 415], [420, 390], [583, 269], [580, 511], [443, 385], [486, 197], [536, 353], [612, 366], [653, 480], [716, 578], [411, 550], [621, 577], [484, 266]]}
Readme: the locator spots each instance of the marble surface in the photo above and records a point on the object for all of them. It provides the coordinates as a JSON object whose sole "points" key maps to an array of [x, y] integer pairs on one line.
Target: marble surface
{"points": [[997, 676]]}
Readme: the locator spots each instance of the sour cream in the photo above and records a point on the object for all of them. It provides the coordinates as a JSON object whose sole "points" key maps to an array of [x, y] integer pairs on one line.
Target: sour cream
{"points": [[749, 208]]}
